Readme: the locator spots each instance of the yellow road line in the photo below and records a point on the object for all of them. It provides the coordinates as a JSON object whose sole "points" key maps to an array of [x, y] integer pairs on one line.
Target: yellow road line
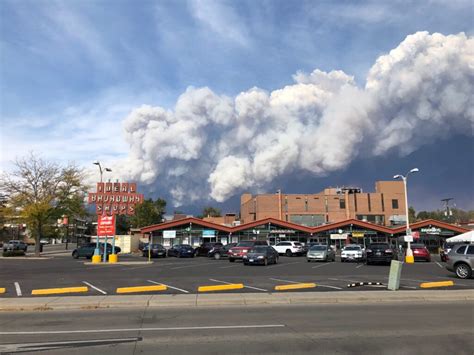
{"points": [[53, 291], [220, 287], [3, 290], [141, 289], [436, 284], [294, 286]]}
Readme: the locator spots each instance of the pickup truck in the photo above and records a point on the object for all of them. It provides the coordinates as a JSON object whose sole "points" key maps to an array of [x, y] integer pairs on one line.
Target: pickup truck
{"points": [[15, 245]]}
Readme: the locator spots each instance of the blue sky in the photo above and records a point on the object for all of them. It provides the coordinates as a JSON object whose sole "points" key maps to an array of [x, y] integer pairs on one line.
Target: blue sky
{"points": [[72, 71]]}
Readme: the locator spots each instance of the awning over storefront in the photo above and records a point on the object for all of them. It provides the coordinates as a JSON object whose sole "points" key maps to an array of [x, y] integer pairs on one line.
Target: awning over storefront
{"points": [[465, 237]]}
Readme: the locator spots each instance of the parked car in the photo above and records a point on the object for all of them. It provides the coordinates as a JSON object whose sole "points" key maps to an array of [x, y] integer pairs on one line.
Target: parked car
{"points": [[320, 252], [242, 248], [352, 252], [44, 241], [220, 251], [289, 248], [15, 245], [420, 252], [181, 251], [156, 251], [262, 255], [88, 249], [379, 253], [460, 260], [204, 248], [446, 249]]}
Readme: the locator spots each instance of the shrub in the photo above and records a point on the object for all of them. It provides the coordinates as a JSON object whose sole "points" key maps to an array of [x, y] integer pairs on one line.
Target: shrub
{"points": [[13, 253]]}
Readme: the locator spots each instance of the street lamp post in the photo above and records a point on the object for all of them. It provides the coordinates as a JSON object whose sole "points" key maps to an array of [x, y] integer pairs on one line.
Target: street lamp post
{"points": [[409, 254], [97, 250]]}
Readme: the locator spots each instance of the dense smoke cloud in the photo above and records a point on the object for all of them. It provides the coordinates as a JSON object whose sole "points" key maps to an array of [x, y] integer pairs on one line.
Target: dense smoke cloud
{"points": [[216, 146]]}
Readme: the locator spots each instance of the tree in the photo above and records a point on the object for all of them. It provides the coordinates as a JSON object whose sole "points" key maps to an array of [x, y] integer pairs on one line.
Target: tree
{"points": [[149, 212], [411, 214], [211, 212], [43, 191]]}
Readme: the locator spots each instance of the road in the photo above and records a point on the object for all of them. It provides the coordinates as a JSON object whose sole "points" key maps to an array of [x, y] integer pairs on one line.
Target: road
{"points": [[427, 328], [186, 275]]}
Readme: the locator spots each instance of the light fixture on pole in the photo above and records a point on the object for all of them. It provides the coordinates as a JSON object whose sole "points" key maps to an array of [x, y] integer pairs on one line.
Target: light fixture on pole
{"points": [[100, 169], [409, 254]]}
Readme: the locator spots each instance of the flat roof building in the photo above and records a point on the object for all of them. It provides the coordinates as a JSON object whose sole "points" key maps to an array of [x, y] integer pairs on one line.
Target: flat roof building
{"points": [[385, 206]]}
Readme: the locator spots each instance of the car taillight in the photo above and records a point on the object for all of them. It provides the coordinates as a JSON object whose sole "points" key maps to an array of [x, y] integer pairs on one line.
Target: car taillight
{"points": [[368, 251], [388, 250]]}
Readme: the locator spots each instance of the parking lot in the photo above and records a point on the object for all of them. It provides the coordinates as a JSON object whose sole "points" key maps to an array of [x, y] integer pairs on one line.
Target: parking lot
{"points": [[186, 275]]}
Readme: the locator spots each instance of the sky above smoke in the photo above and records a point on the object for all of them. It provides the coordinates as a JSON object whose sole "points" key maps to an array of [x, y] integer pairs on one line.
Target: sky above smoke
{"points": [[211, 146]]}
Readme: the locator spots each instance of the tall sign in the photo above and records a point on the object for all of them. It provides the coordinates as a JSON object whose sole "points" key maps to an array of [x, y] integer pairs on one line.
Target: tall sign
{"points": [[105, 226], [114, 198]]}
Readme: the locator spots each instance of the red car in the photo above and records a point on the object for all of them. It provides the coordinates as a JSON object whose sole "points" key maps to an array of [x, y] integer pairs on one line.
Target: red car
{"points": [[241, 249], [420, 252]]}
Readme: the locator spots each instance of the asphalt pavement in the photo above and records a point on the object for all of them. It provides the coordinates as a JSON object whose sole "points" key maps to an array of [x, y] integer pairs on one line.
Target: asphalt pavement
{"points": [[184, 276], [402, 328]]}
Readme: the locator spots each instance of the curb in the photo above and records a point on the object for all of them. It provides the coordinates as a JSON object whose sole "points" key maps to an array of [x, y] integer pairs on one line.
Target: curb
{"points": [[119, 263], [232, 300]]}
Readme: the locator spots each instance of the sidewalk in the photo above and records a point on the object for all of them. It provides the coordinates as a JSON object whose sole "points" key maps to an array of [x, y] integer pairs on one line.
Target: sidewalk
{"points": [[233, 299]]}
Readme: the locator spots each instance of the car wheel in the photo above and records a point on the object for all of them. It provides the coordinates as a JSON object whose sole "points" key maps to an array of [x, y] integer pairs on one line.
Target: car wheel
{"points": [[276, 260], [231, 260], [367, 262], [265, 262], [196, 253], [463, 271], [308, 260], [217, 256], [179, 255], [288, 253], [75, 255]]}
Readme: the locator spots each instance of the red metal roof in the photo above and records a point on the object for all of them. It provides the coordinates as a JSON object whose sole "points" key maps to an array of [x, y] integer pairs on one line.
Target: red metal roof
{"points": [[289, 225]]}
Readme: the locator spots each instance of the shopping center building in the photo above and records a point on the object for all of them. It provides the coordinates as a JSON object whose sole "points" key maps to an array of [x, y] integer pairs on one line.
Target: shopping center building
{"points": [[385, 206], [195, 231]]}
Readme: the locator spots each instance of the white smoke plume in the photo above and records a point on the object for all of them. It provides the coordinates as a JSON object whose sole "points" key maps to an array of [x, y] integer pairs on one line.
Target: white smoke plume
{"points": [[213, 146]]}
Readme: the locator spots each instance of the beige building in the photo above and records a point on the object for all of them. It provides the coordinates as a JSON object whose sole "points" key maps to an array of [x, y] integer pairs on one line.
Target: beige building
{"points": [[385, 206]]}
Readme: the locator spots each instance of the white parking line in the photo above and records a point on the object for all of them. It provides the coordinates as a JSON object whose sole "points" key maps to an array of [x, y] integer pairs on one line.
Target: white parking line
{"points": [[273, 266], [18, 289], [344, 280], [95, 288], [318, 266], [334, 287], [358, 266], [441, 266], [245, 286], [291, 282], [194, 265], [228, 267], [174, 288]]}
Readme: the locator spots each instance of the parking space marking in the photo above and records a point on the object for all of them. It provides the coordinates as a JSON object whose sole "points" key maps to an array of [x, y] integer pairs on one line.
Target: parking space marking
{"points": [[18, 289], [245, 286], [95, 288], [334, 287], [174, 288], [227, 267], [318, 266], [441, 266], [280, 264], [358, 266], [293, 282], [344, 280], [193, 265]]}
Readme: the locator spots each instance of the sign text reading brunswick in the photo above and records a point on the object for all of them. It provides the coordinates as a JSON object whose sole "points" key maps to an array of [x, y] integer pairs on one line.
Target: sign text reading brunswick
{"points": [[114, 198]]}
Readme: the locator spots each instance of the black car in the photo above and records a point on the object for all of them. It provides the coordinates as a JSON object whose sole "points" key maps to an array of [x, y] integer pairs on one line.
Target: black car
{"points": [[88, 249], [261, 255], [204, 249], [156, 251], [379, 253], [221, 251], [181, 251]]}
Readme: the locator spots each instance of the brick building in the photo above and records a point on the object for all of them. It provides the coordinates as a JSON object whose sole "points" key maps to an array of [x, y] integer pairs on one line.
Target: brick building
{"points": [[385, 206]]}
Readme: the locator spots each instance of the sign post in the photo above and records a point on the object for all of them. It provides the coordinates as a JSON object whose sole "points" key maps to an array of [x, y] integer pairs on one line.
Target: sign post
{"points": [[105, 227]]}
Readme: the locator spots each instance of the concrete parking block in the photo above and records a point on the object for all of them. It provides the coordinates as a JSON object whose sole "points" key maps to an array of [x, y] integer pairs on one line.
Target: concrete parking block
{"points": [[294, 286], [62, 290], [220, 287], [119, 263], [136, 289], [436, 284], [3, 290]]}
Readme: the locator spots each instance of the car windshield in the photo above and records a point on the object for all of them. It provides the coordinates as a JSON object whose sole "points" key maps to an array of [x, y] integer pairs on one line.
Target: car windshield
{"points": [[245, 244], [258, 249], [297, 243], [318, 247], [379, 246], [186, 246], [352, 248]]}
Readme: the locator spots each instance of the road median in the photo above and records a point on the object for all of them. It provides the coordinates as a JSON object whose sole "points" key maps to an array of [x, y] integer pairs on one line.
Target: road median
{"points": [[232, 300]]}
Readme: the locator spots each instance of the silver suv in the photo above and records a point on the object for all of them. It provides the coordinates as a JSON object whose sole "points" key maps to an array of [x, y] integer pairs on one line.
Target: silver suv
{"points": [[461, 260]]}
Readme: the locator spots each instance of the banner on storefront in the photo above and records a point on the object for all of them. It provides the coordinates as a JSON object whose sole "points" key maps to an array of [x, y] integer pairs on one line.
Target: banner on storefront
{"points": [[342, 236], [169, 234], [208, 233], [431, 230], [358, 235]]}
